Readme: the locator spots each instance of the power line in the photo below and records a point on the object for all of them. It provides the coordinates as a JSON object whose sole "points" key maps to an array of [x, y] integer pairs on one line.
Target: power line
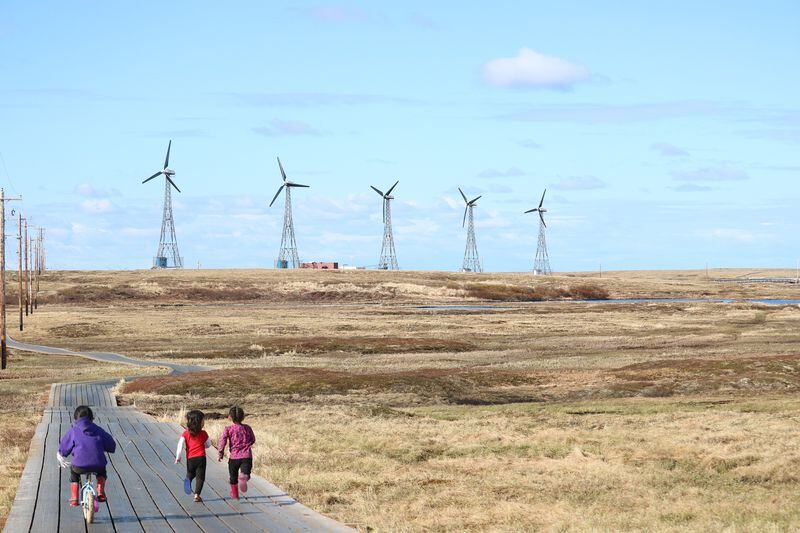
{"points": [[8, 176]]}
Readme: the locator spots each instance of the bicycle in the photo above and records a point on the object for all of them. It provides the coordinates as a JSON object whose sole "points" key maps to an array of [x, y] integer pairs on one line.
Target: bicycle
{"points": [[88, 494]]}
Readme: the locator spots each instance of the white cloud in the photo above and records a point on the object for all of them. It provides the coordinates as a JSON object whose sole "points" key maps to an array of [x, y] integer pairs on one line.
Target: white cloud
{"points": [[337, 13], [495, 173], [692, 187], [527, 143], [97, 205], [534, 70], [732, 234], [580, 183], [711, 174], [669, 150], [286, 127], [87, 190]]}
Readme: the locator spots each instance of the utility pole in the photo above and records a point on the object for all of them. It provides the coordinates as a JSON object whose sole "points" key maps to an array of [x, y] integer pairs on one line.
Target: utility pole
{"points": [[34, 270], [3, 338], [39, 262], [27, 284], [29, 274], [19, 274]]}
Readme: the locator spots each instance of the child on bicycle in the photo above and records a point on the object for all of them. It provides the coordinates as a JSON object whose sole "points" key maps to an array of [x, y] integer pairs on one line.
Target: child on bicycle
{"points": [[195, 440], [88, 444], [241, 439]]}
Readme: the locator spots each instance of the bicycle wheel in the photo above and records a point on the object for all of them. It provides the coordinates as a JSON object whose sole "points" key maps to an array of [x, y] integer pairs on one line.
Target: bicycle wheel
{"points": [[88, 506]]}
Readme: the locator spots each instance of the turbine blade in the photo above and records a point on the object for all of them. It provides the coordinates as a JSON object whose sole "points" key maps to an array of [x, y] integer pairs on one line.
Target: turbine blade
{"points": [[464, 222], [157, 174], [530, 211], [541, 217], [283, 172], [290, 184], [276, 195], [166, 161], [542, 202], [376, 190], [172, 183], [393, 186], [462, 195], [475, 200]]}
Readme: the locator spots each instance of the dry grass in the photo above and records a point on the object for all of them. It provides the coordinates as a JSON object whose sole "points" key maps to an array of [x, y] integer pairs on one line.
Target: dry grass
{"points": [[551, 415]]}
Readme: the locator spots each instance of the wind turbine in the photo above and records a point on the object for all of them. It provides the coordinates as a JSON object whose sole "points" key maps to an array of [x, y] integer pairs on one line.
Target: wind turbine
{"points": [[541, 263], [388, 260], [472, 262], [287, 257], [167, 255]]}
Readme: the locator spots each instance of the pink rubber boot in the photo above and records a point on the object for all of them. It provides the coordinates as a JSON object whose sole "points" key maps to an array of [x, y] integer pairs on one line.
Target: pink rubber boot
{"points": [[235, 491], [243, 479]]}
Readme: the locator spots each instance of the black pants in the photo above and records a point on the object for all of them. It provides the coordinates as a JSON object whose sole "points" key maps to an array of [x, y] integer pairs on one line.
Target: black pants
{"points": [[76, 471], [196, 469], [246, 465]]}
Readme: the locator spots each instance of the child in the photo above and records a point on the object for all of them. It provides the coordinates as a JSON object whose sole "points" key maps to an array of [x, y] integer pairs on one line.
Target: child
{"points": [[241, 438], [196, 441], [88, 444]]}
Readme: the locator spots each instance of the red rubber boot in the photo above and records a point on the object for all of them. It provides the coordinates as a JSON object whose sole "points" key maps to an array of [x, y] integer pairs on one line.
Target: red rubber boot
{"points": [[235, 491], [101, 489], [73, 494]]}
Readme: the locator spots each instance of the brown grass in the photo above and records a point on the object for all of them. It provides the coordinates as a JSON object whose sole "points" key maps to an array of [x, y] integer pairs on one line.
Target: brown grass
{"points": [[534, 415], [474, 387], [520, 293]]}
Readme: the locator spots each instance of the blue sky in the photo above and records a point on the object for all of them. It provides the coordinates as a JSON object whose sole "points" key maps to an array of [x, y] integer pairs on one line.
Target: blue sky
{"points": [[667, 134]]}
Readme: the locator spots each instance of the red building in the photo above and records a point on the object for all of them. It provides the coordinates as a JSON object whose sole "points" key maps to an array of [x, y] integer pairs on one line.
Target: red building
{"points": [[319, 265]]}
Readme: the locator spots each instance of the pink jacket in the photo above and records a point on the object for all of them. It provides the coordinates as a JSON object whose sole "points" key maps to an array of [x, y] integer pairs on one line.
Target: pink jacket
{"points": [[241, 439]]}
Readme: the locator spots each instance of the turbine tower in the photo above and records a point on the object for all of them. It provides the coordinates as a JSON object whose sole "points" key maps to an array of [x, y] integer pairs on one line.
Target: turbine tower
{"points": [[388, 259], [167, 255], [541, 264], [472, 262], [287, 257]]}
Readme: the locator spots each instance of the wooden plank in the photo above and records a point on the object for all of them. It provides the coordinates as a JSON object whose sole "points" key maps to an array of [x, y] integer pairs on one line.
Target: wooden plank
{"points": [[200, 512], [217, 481], [69, 395], [127, 428], [216, 487], [147, 512], [252, 505], [102, 396], [119, 506], [70, 518], [22, 511], [52, 394], [166, 503], [45, 518]]}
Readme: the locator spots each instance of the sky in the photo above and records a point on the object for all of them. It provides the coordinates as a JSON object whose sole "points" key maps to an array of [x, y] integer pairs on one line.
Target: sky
{"points": [[666, 134]]}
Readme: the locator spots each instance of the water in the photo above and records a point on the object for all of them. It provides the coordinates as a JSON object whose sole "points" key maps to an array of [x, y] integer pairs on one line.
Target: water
{"points": [[765, 301], [462, 308]]}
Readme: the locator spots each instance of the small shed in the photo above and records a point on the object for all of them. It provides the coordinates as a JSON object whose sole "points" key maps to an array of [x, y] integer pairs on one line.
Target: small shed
{"points": [[320, 265]]}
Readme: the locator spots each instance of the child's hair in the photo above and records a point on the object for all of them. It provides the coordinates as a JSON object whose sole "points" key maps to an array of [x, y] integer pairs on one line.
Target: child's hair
{"points": [[194, 421], [84, 411], [237, 414]]}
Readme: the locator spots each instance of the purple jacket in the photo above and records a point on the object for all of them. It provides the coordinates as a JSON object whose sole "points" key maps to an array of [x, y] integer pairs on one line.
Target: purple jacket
{"points": [[241, 437], [87, 442]]}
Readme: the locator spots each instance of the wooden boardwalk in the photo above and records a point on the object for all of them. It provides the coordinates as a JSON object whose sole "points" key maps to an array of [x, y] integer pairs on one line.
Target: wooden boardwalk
{"points": [[145, 487]]}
